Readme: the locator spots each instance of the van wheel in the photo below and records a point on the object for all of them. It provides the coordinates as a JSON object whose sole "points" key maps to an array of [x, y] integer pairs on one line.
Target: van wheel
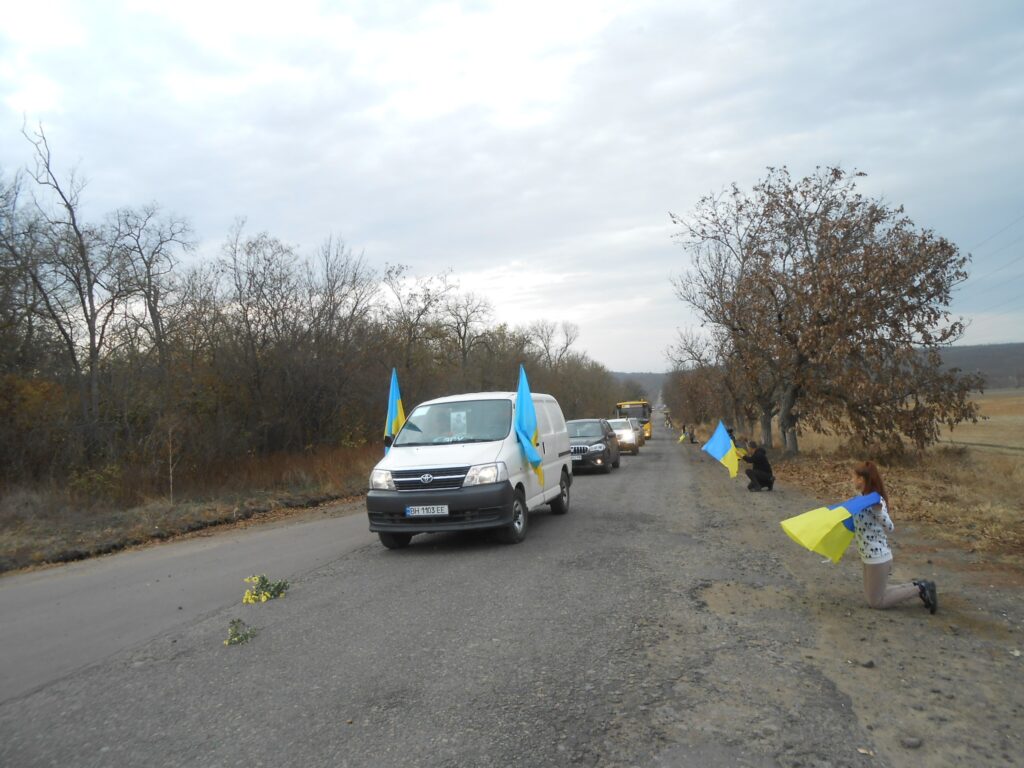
{"points": [[560, 504], [395, 540], [515, 531]]}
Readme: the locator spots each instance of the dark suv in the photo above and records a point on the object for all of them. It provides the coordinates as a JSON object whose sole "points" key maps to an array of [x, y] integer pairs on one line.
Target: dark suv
{"points": [[593, 445]]}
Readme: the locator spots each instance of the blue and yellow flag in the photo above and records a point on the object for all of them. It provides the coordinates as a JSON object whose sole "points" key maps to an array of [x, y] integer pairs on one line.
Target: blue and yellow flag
{"points": [[526, 426], [828, 530], [720, 447], [396, 413]]}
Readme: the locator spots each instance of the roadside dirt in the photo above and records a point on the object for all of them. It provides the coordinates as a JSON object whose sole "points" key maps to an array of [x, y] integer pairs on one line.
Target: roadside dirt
{"points": [[941, 690]]}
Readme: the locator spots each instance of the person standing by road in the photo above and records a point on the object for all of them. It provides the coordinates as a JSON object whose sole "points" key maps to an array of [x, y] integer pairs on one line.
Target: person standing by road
{"points": [[760, 473], [870, 528]]}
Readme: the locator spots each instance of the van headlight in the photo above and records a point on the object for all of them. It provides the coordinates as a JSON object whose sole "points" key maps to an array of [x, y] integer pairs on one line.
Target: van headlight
{"points": [[596, 447], [628, 437], [483, 474], [380, 480]]}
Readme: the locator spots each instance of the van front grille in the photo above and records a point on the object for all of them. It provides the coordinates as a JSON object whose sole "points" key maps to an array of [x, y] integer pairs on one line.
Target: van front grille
{"points": [[440, 479]]}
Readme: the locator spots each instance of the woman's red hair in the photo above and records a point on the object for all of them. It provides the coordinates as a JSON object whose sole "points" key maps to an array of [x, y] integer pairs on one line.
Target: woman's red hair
{"points": [[872, 479]]}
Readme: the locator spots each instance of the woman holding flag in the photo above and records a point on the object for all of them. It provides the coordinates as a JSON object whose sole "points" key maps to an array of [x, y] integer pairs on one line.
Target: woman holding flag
{"points": [[870, 528]]}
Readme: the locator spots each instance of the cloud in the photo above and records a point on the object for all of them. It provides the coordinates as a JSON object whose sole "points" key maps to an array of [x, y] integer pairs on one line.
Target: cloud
{"points": [[532, 148]]}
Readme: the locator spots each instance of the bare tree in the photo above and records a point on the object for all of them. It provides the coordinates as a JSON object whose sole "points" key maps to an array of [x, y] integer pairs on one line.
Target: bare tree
{"points": [[151, 244], [415, 303], [80, 276], [466, 317], [553, 340]]}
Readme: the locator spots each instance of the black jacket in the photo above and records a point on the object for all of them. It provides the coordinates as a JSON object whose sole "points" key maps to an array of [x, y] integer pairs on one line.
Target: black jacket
{"points": [[760, 461]]}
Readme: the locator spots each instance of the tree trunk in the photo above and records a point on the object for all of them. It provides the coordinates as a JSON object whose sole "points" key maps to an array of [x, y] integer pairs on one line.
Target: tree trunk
{"points": [[792, 446], [766, 428], [787, 419]]}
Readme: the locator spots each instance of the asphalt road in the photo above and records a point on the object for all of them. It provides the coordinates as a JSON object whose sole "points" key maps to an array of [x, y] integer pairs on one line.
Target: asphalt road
{"points": [[58, 620], [651, 626]]}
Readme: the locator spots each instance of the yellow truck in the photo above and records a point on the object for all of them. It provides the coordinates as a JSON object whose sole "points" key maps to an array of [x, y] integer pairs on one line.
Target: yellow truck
{"points": [[636, 409]]}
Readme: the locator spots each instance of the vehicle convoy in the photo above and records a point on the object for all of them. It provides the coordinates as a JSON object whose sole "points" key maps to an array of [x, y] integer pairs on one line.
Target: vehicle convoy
{"points": [[628, 440], [639, 410], [641, 437], [594, 445], [456, 465]]}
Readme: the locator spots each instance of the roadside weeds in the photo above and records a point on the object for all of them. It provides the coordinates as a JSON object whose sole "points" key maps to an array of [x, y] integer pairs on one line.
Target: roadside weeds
{"points": [[79, 537]]}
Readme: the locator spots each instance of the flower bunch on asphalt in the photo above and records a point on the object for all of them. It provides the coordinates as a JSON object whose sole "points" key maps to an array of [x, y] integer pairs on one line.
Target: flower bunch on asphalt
{"points": [[239, 632], [263, 589]]}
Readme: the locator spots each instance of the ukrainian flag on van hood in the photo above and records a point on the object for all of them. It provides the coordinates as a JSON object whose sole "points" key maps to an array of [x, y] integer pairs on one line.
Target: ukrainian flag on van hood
{"points": [[396, 413], [721, 447], [526, 426]]}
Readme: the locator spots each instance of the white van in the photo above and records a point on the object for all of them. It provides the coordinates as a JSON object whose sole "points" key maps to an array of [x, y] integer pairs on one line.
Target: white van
{"points": [[456, 465]]}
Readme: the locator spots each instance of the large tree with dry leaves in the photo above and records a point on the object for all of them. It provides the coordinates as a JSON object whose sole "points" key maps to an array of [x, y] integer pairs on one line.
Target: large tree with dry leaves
{"points": [[834, 306]]}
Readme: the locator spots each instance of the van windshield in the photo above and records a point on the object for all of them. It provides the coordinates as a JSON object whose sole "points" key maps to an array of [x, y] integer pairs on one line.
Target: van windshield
{"points": [[467, 421]]}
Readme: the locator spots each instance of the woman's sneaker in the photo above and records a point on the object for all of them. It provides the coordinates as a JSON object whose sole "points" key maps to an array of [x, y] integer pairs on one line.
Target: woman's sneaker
{"points": [[929, 595]]}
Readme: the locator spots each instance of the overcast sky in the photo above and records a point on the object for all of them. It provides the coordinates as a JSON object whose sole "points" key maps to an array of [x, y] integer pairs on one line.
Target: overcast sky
{"points": [[533, 148]]}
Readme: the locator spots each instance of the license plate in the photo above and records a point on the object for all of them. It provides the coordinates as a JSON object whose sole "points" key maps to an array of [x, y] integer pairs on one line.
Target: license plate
{"points": [[577, 457], [434, 510]]}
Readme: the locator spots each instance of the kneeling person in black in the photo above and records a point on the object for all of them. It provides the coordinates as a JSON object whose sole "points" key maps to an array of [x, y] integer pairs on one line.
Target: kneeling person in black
{"points": [[760, 473]]}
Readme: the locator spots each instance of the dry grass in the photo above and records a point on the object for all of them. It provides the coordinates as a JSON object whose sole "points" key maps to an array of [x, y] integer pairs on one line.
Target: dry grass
{"points": [[41, 525], [968, 493], [969, 489], [1001, 429], [965, 495]]}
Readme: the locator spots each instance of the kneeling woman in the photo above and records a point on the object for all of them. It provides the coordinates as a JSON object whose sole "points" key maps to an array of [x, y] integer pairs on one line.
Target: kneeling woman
{"points": [[871, 526]]}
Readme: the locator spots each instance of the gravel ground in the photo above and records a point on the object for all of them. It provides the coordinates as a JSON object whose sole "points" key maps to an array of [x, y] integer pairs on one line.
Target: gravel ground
{"points": [[665, 621]]}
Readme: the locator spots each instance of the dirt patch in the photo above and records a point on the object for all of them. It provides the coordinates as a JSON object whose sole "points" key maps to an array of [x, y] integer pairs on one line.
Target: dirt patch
{"points": [[726, 597]]}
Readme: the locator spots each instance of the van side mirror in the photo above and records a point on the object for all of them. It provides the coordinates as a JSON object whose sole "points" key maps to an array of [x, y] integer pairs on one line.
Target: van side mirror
{"points": [[388, 441]]}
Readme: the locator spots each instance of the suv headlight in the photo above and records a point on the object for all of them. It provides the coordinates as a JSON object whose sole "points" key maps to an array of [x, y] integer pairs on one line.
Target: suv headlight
{"points": [[483, 474], [627, 437], [597, 447], [380, 480]]}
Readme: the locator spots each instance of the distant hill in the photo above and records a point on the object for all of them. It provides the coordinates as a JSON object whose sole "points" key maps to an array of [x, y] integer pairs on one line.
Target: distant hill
{"points": [[651, 382], [1002, 365]]}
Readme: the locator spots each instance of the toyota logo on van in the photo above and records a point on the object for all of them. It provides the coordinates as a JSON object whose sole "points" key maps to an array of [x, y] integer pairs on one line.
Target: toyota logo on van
{"points": [[427, 478]]}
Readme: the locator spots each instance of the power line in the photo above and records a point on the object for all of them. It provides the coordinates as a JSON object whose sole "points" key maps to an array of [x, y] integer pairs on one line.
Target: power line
{"points": [[1004, 246], [988, 310], [1000, 304], [996, 234], [999, 268]]}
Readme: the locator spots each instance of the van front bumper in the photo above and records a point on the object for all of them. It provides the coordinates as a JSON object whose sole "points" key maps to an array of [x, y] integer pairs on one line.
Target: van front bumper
{"points": [[469, 509]]}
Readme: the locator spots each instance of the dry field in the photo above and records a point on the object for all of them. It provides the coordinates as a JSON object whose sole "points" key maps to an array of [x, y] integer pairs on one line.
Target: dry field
{"points": [[968, 489], [1002, 430]]}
